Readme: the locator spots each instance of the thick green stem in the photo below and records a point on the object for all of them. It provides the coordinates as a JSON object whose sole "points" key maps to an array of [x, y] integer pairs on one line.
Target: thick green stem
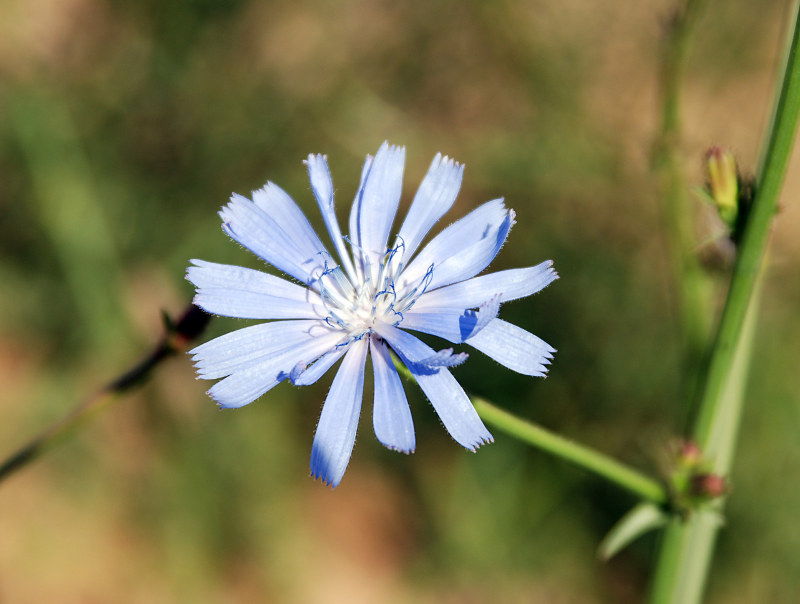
{"points": [[754, 240], [688, 546], [623, 476]]}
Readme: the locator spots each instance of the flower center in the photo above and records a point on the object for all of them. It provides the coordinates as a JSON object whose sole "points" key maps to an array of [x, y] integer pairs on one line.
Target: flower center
{"points": [[355, 307]]}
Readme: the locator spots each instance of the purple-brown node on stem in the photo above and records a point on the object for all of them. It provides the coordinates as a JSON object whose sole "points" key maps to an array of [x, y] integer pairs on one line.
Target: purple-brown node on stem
{"points": [[709, 486]]}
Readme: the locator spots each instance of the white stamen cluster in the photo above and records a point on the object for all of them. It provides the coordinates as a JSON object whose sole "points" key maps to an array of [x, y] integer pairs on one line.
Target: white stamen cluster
{"points": [[355, 307]]}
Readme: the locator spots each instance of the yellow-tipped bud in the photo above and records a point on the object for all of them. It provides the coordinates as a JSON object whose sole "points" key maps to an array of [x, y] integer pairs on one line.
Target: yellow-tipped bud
{"points": [[723, 183]]}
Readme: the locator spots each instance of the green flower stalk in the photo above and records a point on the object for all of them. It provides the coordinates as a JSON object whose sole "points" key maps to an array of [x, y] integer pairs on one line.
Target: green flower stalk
{"points": [[615, 472]]}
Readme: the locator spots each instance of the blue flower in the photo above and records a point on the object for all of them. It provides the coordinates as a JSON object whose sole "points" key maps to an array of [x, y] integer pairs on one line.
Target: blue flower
{"points": [[365, 302]]}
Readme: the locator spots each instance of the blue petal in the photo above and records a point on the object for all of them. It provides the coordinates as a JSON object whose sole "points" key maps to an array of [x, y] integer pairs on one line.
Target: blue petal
{"points": [[513, 347], [357, 202], [305, 375], [377, 205], [468, 262], [277, 204], [434, 197], [443, 391], [322, 186], [241, 348], [257, 358], [279, 239], [233, 291], [510, 285], [391, 416], [441, 358], [452, 324], [464, 248], [336, 431]]}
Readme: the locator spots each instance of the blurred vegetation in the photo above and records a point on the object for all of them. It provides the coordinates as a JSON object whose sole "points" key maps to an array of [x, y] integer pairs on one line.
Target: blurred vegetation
{"points": [[125, 126]]}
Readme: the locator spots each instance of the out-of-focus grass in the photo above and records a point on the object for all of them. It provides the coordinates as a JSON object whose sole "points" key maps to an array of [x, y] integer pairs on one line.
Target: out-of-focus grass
{"points": [[71, 214], [125, 126]]}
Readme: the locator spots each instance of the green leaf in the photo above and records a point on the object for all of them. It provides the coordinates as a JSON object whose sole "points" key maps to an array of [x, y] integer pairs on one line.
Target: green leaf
{"points": [[642, 518]]}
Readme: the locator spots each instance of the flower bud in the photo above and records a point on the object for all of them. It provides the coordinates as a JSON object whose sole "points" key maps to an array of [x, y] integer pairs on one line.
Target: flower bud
{"points": [[689, 454], [723, 183]]}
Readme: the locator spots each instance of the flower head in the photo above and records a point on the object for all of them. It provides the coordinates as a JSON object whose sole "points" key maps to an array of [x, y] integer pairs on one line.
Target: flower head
{"points": [[363, 300]]}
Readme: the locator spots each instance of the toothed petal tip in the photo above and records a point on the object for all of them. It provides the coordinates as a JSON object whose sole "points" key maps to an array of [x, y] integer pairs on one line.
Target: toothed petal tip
{"points": [[324, 480], [484, 441], [400, 449]]}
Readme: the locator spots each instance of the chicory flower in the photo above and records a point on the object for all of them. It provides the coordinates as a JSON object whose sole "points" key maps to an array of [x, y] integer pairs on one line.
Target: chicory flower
{"points": [[363, 301]]}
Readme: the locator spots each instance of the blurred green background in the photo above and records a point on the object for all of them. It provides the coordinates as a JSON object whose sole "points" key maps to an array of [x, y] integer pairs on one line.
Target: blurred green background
{"points": [[124, 126]]}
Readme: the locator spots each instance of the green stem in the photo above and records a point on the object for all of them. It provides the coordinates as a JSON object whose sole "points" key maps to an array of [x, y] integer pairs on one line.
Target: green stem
{"points": [[688, 545], [754, 240], [179, 333], [693, 285], [585, 457], [687, 549], [55, 433], [623, 476]]}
